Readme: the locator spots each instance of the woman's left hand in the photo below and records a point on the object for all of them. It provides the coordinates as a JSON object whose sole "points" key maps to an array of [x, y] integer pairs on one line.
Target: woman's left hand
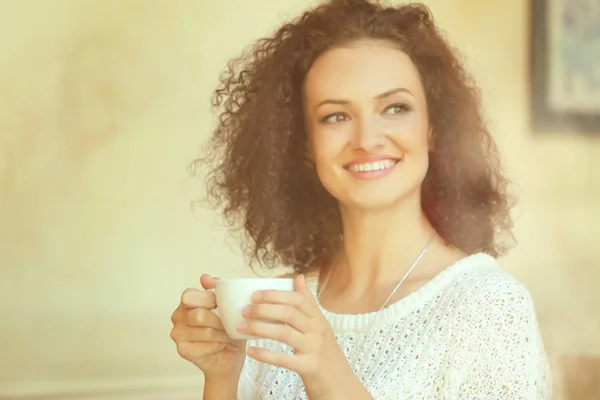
{"points": [[316, 357]]}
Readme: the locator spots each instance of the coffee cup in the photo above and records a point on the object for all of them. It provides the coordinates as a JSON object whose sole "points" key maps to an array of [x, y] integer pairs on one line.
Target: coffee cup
{"points": [[235, 294]]}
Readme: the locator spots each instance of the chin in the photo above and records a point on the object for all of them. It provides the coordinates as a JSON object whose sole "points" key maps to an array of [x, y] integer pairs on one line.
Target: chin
{"points": [[375, 194], [374, 201]]}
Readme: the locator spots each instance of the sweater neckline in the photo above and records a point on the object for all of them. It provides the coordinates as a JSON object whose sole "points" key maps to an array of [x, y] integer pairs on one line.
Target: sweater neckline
{"points": [[341, 323]]}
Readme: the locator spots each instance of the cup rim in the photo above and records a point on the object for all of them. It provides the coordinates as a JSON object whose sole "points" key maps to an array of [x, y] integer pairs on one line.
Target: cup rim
{"points": [[253, 279]]}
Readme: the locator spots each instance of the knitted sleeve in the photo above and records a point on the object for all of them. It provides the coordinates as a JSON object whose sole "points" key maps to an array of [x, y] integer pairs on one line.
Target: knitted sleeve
{"points": [[507, 359]]}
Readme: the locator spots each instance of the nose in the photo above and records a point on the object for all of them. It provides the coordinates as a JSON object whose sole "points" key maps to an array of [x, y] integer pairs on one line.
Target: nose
{"points": [[367, 135]]}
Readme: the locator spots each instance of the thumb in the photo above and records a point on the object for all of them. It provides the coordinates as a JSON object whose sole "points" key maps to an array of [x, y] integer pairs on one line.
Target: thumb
{"points": [[208, 282], [300, 284]]}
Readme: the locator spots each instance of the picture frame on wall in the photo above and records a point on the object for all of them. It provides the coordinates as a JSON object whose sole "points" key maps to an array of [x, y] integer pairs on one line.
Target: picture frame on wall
{"points": [[565, 66]]}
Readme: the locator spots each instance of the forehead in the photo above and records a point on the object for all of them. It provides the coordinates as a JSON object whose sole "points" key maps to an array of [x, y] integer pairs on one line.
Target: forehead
{"points": [[362, 69]]}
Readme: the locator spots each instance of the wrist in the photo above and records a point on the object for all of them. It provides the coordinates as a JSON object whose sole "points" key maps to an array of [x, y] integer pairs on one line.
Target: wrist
{"points": [[341, 385], [328, 386], [228, 376], [220, 387], [220, 380]]}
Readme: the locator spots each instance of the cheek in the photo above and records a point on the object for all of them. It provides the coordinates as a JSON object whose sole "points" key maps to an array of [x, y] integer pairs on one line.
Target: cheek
{"points": [[326, 149], [326, 166], [326, 153], [418, 165], [414, 143], [422, 166], [420, 135], [414, 139]]}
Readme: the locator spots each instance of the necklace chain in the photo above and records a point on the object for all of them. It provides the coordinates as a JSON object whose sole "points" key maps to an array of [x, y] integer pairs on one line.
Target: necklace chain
{"points": [[412, 267]]}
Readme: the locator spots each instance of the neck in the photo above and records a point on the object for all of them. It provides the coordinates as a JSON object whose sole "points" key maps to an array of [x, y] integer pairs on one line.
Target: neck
{"points": [[380, 246]]}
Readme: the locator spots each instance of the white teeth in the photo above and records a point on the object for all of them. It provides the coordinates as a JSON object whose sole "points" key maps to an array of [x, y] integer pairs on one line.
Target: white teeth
{"points": [[374, 166]]}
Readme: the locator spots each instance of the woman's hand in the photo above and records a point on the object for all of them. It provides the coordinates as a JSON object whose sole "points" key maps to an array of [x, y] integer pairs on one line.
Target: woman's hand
{"points": [[201, 338], [317, 357]]}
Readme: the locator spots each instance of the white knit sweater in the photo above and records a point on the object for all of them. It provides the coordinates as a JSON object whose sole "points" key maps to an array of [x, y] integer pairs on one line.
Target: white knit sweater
{"points": [[470, 333]]}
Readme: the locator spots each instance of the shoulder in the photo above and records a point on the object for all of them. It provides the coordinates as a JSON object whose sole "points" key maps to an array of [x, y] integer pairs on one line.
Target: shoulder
{"points": [[487, 299], [497, 311], [505, 350], [493, 289], [480, 280]]}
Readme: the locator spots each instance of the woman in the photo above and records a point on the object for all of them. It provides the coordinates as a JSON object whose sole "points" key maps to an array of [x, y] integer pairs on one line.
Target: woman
{"points": [[351, 147]]}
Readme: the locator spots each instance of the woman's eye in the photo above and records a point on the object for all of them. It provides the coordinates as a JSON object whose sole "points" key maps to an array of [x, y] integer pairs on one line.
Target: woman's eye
{"points": [[396, 109], [333, 118]]}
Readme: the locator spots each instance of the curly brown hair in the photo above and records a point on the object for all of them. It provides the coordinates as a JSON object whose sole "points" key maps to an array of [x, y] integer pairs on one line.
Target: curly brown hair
{"points": [[259, 177]]}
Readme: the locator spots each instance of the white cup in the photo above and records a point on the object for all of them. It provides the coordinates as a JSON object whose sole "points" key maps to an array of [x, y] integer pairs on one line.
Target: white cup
{"points": [[235, 294]]}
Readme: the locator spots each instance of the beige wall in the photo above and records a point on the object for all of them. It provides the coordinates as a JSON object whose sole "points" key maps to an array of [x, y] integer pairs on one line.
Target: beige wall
{"points": [[103, 105]]}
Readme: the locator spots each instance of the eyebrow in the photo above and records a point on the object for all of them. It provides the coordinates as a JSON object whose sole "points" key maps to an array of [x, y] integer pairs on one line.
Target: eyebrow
{"points": [[378, 97]]}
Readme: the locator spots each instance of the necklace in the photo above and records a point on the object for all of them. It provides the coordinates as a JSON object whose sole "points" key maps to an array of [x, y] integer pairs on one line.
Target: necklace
{"points": [[414, 264]]}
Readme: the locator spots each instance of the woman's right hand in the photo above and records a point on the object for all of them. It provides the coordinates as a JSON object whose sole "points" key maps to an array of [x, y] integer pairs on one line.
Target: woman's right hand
{"points": [[201, 338]]}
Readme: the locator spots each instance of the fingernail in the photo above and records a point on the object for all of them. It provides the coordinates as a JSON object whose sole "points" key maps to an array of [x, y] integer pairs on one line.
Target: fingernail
{"points": [[242, 325], [257, 296], [246, 311]]}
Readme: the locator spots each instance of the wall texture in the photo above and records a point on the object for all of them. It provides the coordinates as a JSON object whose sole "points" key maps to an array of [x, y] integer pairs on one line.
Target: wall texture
{"points": [[104, 103]]}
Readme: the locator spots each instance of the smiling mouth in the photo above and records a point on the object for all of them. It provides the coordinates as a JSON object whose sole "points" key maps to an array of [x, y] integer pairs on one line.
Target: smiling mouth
{"points": [[372, 166]]}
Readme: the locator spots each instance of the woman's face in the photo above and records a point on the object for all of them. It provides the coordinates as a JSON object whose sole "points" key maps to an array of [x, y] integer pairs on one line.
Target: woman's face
{"points": [[367, 121]]}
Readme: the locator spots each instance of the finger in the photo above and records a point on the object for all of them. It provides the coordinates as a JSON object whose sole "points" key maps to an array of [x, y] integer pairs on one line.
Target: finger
{"points": [[288, 361], [202, 317], [194, 350], [296, 299], [278, 332], [208, 282], [177, 315], [184, 333], [195, 298], [281, 313], [301, 287]]}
